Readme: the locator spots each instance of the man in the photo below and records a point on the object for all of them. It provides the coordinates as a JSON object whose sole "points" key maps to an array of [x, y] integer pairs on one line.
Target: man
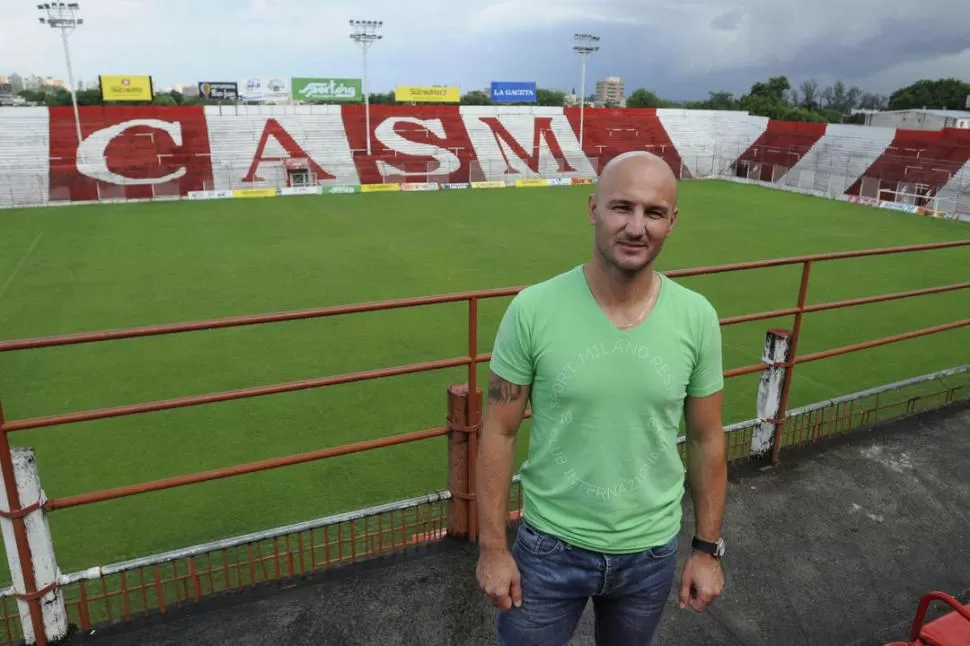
{"points": [[611, 354]]}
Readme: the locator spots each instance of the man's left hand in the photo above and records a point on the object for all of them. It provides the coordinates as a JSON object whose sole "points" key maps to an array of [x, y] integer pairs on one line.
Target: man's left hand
{"points": [[702, 581]]}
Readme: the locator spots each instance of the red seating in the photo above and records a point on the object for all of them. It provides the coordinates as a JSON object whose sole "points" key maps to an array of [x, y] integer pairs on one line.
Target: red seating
{"points": [[782, 144], [608, 132], [924, 157], [952, 629]]}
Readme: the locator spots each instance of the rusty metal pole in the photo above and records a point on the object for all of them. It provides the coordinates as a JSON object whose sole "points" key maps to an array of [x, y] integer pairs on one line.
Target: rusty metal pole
{"points": [[474, 418], [792, 354], [458, 481], [20, 539]]}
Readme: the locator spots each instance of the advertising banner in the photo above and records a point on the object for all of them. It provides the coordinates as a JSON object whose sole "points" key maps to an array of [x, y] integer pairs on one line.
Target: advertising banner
{"points": [[301, 190], [897, 206], [496, 184], [343, 188], [560, 181], [126, 88], [581, 180], [531, 182], [513, 92], [253, 192], [265, 90], [380, 188], [455, 186], [435, 94], [219, 91], [326, 89], [419, 186], [209, 195]]}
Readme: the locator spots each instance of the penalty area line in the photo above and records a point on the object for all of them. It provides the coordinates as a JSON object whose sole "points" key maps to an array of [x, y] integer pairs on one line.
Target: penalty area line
{"points": [[3, 290]]}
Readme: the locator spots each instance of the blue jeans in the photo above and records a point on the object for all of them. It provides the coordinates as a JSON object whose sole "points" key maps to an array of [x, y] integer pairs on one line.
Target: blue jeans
{"points": [[628, 592]]}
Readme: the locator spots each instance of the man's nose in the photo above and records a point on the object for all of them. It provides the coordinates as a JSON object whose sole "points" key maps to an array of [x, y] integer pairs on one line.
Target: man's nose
{"points": [[636, 225]]}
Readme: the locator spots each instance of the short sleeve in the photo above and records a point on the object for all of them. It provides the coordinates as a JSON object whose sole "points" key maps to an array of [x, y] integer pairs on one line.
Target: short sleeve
{"points": [[512, 356], [707, 376]]}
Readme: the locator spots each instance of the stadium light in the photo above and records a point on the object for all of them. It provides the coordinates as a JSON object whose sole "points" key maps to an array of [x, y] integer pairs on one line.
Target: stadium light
{"points": [[365, 33], [63, 16], [584, 45]]}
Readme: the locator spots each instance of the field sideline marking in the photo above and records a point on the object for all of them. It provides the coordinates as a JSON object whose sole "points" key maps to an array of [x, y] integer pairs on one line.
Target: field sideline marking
{"points": [[3, 290]]}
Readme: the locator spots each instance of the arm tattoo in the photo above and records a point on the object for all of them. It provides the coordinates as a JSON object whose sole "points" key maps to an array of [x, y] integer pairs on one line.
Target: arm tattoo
{"points": [[500, 390]]}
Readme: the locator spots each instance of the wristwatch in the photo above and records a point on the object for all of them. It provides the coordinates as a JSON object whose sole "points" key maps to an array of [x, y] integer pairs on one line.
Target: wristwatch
{"points": [[714, 549]]}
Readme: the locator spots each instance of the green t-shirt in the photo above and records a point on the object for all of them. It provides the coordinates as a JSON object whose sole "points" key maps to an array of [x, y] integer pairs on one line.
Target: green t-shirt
{"points": [[603, 472]]}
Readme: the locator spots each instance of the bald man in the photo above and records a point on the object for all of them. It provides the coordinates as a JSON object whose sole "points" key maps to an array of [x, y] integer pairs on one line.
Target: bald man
{"points": [[611, 354]]}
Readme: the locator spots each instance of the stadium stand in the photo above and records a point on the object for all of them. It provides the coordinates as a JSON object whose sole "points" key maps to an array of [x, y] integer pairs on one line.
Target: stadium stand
{"points": [[781, 146], [609, 132], [24, 151], [839, 157], [155, 152], [710, 141], [919, 161]]}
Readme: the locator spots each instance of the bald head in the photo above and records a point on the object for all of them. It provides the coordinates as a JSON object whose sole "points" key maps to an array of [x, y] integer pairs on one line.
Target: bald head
{"points": [[637, 168]]}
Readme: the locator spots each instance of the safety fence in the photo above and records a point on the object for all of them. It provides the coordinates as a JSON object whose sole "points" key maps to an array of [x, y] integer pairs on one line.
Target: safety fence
{"points": [[42, 602]]}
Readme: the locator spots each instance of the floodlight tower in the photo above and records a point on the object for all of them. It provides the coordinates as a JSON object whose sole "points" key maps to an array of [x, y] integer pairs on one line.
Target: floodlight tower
{"points": [[584, 45], [365, 33], [63, 16]]}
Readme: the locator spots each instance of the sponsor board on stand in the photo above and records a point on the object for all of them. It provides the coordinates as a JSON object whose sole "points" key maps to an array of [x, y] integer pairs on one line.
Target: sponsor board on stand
{"points": [[419, 186], [253, 192], [126, 88], [495, 184], [427, 94], [531, 182], [380, 188], [219, 91], [301, 190], [560, 181], [513, 92], [209, 195], [326, 89], [582, 180], [340, 188], [455, 186]]}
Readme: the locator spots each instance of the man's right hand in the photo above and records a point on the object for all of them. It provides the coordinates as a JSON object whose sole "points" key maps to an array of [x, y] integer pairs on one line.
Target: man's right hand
{"points": [[498, 576]]}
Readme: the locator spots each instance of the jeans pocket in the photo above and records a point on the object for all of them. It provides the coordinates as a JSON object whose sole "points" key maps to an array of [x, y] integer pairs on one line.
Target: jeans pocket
{"points": [[537, 543], [665, 551]]}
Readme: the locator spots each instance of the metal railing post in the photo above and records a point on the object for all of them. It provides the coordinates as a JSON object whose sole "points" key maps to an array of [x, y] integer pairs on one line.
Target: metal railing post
{"points": [[777, 356], [18, 554], [792, 353]]}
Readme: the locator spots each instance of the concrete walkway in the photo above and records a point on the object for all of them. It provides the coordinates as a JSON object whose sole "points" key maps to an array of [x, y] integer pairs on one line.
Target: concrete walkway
{"points": [[834, 547]]}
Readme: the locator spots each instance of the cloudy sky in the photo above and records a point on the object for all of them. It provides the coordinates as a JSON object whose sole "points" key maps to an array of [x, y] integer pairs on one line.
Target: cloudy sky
{"points": [[678, 49]]}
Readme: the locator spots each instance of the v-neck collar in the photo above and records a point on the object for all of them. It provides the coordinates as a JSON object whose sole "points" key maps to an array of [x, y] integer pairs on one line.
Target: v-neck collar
{"points": [[591, 300]]}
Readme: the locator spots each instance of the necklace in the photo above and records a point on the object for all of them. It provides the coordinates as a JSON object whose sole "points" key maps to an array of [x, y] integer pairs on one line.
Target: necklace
{"points": [[655, 289]]}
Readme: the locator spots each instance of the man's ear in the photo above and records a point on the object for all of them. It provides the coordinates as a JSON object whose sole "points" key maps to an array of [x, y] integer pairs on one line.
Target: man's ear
{"points": [[673, 220], [591, 208]]}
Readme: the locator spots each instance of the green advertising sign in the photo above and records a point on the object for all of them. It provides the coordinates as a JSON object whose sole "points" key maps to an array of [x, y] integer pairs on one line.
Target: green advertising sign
{"points": [[320, 89]]}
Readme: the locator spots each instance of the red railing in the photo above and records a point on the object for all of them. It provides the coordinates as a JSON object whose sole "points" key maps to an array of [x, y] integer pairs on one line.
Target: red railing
{"points": [[470, 417]]}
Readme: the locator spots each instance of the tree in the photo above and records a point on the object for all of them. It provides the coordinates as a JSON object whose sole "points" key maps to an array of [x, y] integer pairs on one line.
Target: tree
{"points": [[476, 97], [809, 94], [643, 98], [550, 97], [944, 94]]}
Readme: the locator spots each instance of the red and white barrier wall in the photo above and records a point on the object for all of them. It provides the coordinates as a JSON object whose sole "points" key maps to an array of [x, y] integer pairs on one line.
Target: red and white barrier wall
{"points": [[156, 152]]}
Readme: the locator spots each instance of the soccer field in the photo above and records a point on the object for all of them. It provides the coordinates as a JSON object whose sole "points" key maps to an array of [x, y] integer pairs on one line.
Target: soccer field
{"points": [[84, 268]]}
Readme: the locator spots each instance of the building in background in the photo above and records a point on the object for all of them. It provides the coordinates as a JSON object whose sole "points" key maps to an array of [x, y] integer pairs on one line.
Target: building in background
{"points": [[919, 119], [610, 92]]}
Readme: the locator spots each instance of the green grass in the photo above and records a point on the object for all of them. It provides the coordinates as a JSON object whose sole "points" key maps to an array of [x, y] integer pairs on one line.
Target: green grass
{"points": [[99, 267]]}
